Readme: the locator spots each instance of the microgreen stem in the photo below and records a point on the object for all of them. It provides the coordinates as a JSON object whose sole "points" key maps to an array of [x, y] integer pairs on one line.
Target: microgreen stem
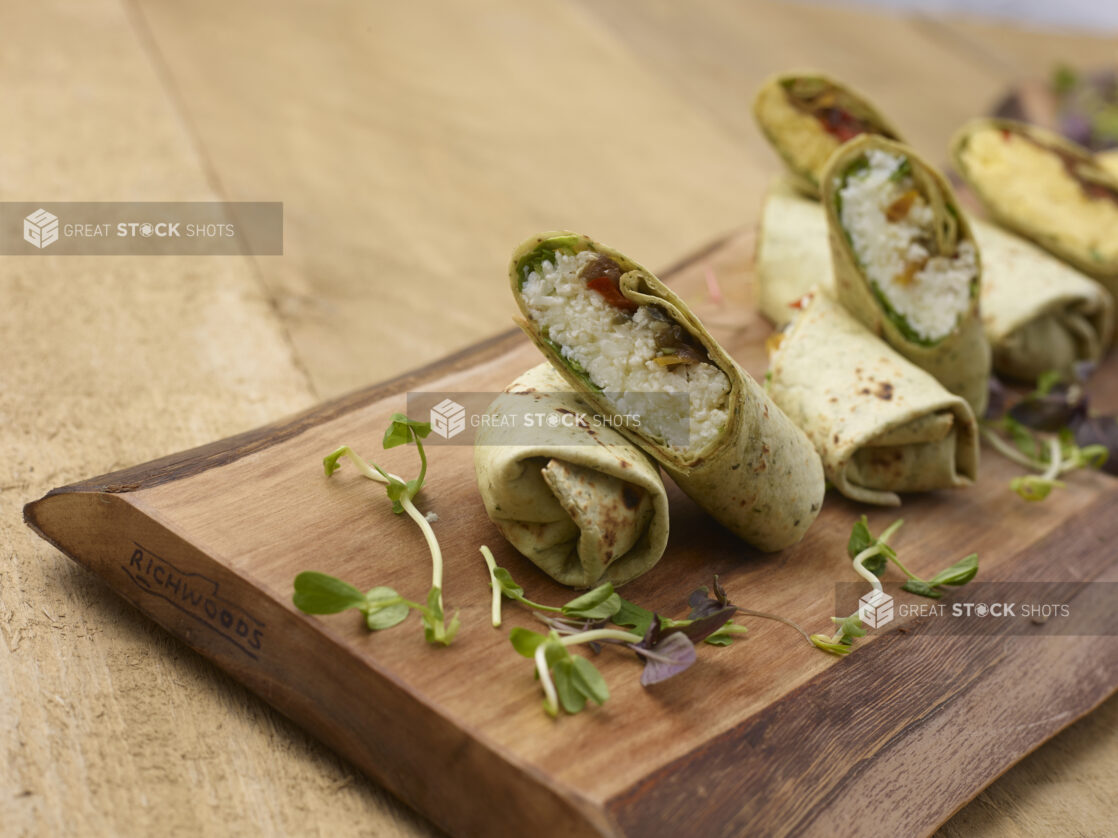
{"points": [[595, 635], [422, 462], [525, 601], [746, 612], [1055, 460], [363, 466], [734, 628], [409, 507], [491, 563], [890, 530], [396, 600], [551, 697], [1009, 452], [429, 534], [861, 570]]}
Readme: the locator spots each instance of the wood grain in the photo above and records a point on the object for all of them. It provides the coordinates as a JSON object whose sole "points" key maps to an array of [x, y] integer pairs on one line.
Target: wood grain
{"points": [[763, 738]]}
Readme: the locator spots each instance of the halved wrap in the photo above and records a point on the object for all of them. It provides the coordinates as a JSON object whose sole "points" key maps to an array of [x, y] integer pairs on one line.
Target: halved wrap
{"points": [[635, 352], [580, 501], [1038, 313], [1046, 188], [906, 264], [880, 424], [806, 116]]}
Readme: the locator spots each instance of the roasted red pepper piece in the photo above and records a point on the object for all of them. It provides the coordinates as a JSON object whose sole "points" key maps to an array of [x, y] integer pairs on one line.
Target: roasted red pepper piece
{"points": [[611, 293]]}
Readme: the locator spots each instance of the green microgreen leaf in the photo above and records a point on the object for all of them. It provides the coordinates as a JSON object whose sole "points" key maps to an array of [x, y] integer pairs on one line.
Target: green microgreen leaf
{"points": [[848, 628], [860, 537], [597, 604], [526, 641], [821, 641], [554, 650], [402, 430], [959, 573], [384, 608], [330, 461], [318, 593], [507, 584], [435, 628], [589, 680], [1033, 487], [921, 588], [876, 564], [570, 697], [631, 615]]}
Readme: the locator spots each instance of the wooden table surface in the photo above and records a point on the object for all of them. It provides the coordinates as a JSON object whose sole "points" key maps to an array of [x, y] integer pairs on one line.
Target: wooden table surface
{"points": [[412, 152]]}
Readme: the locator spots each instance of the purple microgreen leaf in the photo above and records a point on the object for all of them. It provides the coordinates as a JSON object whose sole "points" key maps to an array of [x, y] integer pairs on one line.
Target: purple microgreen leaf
{"points": [[702, 603], [669, 657], [1103, 431], [995, 404], [1049, 413], [699, 630]]}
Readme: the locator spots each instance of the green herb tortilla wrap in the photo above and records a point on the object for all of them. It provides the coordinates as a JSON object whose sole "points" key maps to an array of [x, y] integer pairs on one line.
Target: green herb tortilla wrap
{"points": [[1038, 313], [635, 352], [906, 264], [1045, 188], [807, 116], [880, 424], [581, 502]]}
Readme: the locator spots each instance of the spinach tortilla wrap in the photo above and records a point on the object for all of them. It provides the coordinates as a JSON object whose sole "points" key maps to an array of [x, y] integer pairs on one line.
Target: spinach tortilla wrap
{"points": [[632, 348], [906, 264], [1046, 188], [1038, 313], [807, 116], [582, 503], [880, 424]]}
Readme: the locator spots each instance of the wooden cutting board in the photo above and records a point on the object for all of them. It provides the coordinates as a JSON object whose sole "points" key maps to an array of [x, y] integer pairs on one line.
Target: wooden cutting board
{"points": [[766, 737]]}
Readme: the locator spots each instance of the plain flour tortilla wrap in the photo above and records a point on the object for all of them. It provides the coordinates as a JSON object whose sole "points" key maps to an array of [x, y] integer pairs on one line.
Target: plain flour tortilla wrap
{"points": [[624, 340], [1039, 314], [806, 116], [1109, 161], [1045, 188], [582, 503], [880, 424], [894, 292]]}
